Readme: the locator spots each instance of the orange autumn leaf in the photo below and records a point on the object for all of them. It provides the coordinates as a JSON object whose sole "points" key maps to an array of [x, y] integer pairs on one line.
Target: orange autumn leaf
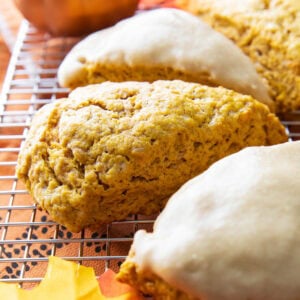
{"points": [[112, 289], [68, 280], [148, 4]]}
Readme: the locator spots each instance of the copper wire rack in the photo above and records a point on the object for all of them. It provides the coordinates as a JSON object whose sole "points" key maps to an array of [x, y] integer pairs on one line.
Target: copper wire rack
{"points": [[27, 235]]}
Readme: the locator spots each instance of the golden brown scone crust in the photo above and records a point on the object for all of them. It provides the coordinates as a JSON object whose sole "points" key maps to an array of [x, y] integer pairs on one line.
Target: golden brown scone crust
{"points": [[148, 283], [269, 33], [115, 149]]}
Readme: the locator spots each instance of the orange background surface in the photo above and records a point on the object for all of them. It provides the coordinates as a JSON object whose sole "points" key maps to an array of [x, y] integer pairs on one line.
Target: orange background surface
{"points": [[10, 20]]}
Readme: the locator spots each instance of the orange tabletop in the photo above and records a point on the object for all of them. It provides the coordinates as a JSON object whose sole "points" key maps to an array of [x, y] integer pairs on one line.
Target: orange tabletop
{"points": [[10, 20]]}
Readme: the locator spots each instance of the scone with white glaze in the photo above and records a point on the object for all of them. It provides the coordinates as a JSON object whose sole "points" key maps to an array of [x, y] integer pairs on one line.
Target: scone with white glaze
{"points": [[230, 233], [115, 149], [268, 32], [162, 44]]}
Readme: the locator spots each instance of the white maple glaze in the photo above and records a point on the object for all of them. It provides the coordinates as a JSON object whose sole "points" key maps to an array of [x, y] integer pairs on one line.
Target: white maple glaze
{"points": [[233, 232]]}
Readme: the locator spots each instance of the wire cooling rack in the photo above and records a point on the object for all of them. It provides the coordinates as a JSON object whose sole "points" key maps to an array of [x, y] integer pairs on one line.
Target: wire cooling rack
{"points": [[27, 235]]}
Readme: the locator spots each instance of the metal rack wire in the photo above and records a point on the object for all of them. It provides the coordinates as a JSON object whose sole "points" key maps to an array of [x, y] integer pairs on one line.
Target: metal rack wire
{"points": [[27, 236]]}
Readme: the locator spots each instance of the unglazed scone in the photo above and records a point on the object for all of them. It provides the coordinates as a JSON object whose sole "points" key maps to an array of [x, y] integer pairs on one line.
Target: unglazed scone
{"points": [[115, 149], [230, 233], [162, 44], [268, 32]]}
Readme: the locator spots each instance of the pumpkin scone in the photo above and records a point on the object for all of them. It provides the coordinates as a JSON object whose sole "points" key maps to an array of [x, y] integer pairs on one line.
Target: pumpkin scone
{"points": [[162, 44], [230, 233], [268, 31], [115, 149]]}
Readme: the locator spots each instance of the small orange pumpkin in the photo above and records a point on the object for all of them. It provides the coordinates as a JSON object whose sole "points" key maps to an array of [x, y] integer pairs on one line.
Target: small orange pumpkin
{"points": [[75, 17]]}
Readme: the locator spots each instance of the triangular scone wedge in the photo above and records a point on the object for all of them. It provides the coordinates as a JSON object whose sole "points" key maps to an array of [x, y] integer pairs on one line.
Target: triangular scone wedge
{"points": [[231, 233], [268, 32], [115, 149], [162, 44]]}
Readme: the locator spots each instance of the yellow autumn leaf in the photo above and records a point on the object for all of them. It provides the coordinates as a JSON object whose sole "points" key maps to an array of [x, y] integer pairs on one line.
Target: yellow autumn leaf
{"points": [[63, 280]]}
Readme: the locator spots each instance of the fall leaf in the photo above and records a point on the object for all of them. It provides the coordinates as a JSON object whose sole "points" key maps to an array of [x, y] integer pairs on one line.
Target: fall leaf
{"points": [[112, 289], [148, 4], [69, 280], [63, 280]]}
